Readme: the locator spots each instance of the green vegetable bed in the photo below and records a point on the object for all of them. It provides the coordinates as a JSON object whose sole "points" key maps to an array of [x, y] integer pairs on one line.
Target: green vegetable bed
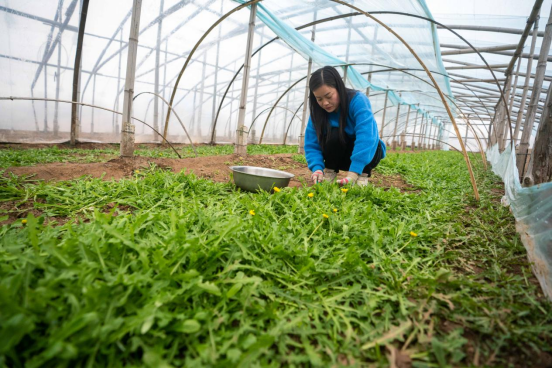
{"points": [[165, 269]]}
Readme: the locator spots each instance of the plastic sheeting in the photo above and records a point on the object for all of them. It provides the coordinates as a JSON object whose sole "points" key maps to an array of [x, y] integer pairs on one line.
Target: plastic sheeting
{"points": [[531, 207], [422, 35], [169, 30], [33, 63]]}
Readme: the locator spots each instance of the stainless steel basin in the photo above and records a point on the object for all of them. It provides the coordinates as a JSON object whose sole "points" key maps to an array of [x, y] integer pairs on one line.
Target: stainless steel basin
{"points": [[255, 178]]}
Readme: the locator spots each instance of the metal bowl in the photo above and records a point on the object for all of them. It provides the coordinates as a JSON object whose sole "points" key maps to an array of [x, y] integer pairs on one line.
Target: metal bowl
{"points": [[255, 178]]}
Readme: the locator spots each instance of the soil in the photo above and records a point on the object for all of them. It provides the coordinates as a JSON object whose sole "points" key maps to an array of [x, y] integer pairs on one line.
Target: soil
{"points": [[215, 168], [17, 210], [84, 145]]}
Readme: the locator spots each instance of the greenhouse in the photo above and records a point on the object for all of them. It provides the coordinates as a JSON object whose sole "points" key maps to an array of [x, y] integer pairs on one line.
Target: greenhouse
{"points": [[291, 183]]}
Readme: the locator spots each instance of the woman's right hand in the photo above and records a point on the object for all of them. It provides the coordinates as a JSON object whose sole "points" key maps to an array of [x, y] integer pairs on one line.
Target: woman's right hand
{"points": [[317, 176]]}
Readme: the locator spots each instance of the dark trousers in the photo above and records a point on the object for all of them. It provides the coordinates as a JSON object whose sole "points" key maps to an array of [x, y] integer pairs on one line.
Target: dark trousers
{"points": [[337, 155]]}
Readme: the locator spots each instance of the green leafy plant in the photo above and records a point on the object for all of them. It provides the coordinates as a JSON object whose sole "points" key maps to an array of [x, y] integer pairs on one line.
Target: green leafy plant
{"points": [[165, 269]]}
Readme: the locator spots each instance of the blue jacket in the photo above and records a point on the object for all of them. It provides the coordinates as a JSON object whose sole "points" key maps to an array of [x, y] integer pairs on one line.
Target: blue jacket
{"points": [[360, 123]]}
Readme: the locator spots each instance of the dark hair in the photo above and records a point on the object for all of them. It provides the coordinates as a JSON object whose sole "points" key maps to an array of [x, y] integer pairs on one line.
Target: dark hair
{"points": [[319, 117]]}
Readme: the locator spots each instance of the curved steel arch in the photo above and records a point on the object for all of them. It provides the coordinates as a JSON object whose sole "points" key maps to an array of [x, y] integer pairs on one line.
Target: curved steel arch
{"points": [[441, 94], [280, 98], [403, 70], [251, 2], [445, 75], [404, 114], [290, 124], [468, 124], [466, 121], [414, 134], [174, 112], [464, 40], [258, 50], [356, 14], [273, 107], [435, 139], [90, 105]]}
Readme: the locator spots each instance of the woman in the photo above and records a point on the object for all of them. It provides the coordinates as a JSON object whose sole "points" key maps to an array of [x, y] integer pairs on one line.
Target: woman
{"points": [[341, 133]]}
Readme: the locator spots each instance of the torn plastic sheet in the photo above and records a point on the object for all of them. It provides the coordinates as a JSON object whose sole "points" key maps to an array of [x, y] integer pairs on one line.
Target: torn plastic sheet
{"points": [[531, 207]]}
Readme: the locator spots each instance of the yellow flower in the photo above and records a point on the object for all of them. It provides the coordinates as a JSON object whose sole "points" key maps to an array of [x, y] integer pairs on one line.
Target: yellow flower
{"points": [[310, 194], [24, 221], [276, 189], [252, 212], [325, 216], [335, 210], [413, 234], [344, 190], [137, 172]]}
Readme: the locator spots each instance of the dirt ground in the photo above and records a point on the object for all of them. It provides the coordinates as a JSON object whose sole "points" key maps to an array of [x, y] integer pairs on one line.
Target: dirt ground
{"points": [[215, 168], [115, 146], [82, 145]]}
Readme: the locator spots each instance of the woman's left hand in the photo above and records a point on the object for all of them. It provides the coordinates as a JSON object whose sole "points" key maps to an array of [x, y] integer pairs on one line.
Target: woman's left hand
{"points": [[350, 178]]}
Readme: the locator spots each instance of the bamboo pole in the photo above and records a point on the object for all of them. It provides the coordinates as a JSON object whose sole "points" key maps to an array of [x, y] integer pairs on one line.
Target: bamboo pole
{"points": [[518, 52], [216, 73], [526, 82], [202, 86], [423, 133], [77, 72], [480, 49], [405, 128], [156, 70], [89, 105], [415, 129], [115, 123], [255, 93], [290, 124], [192, 53], [241, 134], [45, 96], [164, 79], [450, 114], [93, 103], [127, 128], [503, 111], [301, 149], [394, 142], [58, 73], [539, 168], [513, 94], [288, 96], [384, 114], [176, 115], [513, 31], [536, 91]]}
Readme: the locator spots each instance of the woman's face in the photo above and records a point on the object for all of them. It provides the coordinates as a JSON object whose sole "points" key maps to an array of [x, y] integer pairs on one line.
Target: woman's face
{"points": [[328, 98]]}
